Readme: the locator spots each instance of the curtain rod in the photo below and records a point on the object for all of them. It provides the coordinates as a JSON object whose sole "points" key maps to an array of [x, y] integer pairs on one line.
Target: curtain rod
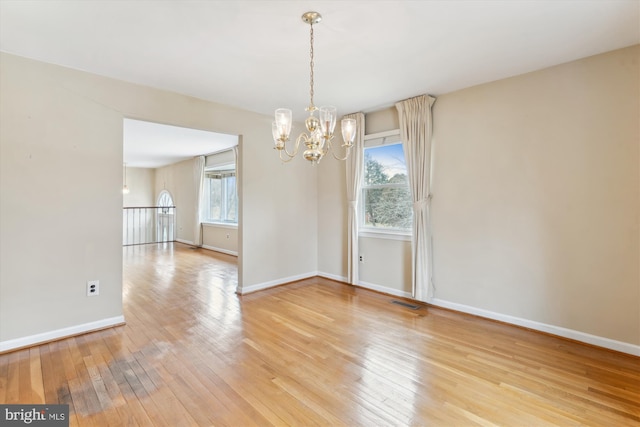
{"points": [[382, 134]]}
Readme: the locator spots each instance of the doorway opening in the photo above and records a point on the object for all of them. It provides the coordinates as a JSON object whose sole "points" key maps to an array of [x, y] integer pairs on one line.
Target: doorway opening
{"points": [[162, 174]]}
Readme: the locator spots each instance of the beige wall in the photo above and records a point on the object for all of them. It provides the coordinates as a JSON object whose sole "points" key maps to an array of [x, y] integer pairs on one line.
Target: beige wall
{"points": [[140, 182], [61, 202], [536, 196], [332, 219], [177, 179], [221, 238], [381, 121], [386, 265], [57, 236], [535, 208]]}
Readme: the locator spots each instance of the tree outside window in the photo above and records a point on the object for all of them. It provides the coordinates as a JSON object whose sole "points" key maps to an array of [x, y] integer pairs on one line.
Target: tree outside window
{"points": [[385, 193]]}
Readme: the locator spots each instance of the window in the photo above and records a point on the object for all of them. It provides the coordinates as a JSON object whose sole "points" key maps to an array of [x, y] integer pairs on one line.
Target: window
{"points": [[220, 196], [386, 198], [165, 201], [165, 217]]}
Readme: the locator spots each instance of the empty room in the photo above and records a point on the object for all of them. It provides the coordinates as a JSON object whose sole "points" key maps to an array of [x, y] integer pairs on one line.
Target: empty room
{"points": [[320, 213]]}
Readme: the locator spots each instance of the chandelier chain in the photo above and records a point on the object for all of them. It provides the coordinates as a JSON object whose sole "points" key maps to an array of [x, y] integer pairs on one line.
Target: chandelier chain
{"points": [[318, 140], [311, 66]]}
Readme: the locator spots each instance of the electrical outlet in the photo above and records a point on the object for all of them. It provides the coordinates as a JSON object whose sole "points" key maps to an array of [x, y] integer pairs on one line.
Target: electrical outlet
{"points": [[227, 235], [361, 258], [93, 288]]}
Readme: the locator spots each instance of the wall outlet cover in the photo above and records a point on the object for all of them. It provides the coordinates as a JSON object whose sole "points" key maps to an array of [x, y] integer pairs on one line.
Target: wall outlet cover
{"points": [[93, 288]]}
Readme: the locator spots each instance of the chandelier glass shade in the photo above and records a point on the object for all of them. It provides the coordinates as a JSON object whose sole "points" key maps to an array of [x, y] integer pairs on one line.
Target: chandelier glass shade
{"points": [[320, 130]]}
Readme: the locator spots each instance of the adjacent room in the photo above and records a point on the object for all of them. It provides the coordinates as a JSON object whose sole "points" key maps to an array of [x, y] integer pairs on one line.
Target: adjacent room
{"points": [[166, 167], [320, 213]]}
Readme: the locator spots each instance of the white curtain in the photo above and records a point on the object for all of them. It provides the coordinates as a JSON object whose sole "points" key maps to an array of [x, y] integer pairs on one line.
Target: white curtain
{"points": [[198, 185], [354, 182], [236, 154], [415, 131]]}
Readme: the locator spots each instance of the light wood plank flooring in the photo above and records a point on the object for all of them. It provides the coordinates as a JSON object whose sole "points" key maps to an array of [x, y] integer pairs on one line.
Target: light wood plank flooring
{"points": [[315, 352]]}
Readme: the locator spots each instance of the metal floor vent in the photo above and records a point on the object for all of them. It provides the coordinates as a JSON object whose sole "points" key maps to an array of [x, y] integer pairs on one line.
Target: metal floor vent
{"points": [[406, 304]]}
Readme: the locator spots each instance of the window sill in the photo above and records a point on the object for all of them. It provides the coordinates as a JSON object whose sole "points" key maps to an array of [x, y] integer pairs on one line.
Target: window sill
{"points": [[220, 225], [385, 234]]}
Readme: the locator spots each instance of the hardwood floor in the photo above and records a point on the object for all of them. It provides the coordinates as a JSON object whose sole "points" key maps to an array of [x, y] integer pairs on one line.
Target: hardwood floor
{"points": [[315, 352]]}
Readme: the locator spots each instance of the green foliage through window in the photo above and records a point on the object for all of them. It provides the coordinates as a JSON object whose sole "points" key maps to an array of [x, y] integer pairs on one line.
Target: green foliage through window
{"points": [[386, 196]]}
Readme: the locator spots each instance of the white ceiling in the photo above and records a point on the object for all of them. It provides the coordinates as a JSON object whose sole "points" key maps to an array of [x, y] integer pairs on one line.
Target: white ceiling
{"points": [[152, 145], [368, 54]]}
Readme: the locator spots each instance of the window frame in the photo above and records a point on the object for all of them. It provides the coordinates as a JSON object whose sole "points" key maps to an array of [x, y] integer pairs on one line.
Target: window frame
{"points": [[376, 140], [226, 171]]}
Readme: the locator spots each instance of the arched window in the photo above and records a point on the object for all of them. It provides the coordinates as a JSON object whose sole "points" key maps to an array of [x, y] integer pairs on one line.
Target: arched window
{"points": [[165, 199], [165, 217]]}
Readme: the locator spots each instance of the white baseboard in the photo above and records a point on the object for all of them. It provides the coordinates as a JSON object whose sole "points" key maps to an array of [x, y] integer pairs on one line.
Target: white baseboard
{"points": [[385, 290], [543, 327], [367, 285], [186, 242], [266, 285], [333, 277], [224, 251], [44, 337]]}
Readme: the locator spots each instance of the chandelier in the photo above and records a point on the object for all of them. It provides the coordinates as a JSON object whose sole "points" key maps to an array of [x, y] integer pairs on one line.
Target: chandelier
{"points": [[320, 129]]}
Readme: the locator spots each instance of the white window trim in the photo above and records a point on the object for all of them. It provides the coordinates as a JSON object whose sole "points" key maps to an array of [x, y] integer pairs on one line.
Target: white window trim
{"points": [[222, 169], [230, 225], [387, 234], [379, 135]]}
